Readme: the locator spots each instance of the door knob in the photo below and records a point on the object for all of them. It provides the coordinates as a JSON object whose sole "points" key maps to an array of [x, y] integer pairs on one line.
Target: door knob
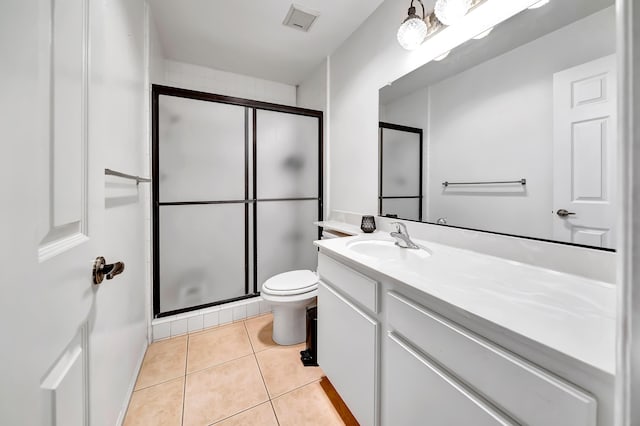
{"points": [[564, 213], [102, 269]]}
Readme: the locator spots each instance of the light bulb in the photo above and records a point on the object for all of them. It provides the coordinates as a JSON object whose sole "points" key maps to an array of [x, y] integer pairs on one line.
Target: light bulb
{"points": [[483, 34], [441, 57], [412, 33], [451, 11], [538, 4]]}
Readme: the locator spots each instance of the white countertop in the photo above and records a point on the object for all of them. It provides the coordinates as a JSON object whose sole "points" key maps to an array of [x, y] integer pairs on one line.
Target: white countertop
{"points": [[568, 313]]}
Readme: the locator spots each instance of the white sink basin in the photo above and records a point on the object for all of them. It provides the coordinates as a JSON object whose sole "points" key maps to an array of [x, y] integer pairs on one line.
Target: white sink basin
{"points": [[387, 250]]}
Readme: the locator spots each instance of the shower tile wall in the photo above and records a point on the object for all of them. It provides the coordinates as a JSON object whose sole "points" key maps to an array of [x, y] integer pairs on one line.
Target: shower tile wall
{"points": [[194, 321]]}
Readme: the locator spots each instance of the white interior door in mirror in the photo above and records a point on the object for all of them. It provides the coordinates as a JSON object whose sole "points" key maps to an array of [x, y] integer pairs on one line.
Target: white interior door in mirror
{"points": [[584, 181]]}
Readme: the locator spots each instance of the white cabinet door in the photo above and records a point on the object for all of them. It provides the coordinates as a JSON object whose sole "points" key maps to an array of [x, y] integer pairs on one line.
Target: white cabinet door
{"points": [[347, 352], [418, 392]]}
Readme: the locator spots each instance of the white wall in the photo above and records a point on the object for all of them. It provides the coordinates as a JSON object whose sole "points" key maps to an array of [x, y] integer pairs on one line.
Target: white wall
{"points": [[156, 51], [495, 122], [195, 77], [411, 110], [312, 93], [118, 101]]}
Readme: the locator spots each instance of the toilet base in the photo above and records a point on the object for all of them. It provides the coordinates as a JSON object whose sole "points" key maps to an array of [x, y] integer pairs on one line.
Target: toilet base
{"points": [[289, 322]]}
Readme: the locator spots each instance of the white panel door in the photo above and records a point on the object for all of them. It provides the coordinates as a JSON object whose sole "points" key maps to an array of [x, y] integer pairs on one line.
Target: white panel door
{"points": [[67, 243], [53, 202], [584, 187]]}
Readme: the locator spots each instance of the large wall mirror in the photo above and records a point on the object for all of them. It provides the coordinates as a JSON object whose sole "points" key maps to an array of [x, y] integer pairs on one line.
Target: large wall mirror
{"points": [[513, 132]]}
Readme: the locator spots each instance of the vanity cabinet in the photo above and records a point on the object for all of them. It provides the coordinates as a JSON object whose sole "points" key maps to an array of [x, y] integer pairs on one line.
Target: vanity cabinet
{"points": [[397, 362]]}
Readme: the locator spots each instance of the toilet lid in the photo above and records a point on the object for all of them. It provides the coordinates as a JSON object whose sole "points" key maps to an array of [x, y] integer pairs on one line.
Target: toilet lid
{"points": [[292, 282]]}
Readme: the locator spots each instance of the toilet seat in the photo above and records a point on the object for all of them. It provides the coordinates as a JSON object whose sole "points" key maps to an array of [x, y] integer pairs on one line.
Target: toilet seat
{"points": [[291, 283]]}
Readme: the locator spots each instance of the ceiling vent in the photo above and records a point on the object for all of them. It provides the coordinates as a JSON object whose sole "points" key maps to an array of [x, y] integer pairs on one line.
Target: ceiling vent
{"points": [[300, 18]]}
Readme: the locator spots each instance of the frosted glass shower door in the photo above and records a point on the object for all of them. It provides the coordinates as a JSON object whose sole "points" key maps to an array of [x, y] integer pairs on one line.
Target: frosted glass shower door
{"points": [[202, 254], [287, 189], [400, 171], [202, 193], [201, 147], [237, 185]]}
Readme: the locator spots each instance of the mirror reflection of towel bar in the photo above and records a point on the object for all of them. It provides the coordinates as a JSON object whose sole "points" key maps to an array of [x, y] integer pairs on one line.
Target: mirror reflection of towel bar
{"points": [[522, 181], [138, 179]]}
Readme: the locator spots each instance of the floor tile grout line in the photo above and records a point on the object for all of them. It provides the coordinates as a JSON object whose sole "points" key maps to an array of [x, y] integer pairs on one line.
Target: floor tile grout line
{"points": [[238, 413], [248, 336], [274, 412], [218, 365], [187, 372], [184, 383], [296, 388], [157, 384], [264, 382], [273, 409]]}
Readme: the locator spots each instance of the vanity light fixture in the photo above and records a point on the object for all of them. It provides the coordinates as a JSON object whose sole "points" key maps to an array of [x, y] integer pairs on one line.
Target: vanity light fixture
{"points": [[413, 30], [538, 4], [483, 34], [449, 12]]}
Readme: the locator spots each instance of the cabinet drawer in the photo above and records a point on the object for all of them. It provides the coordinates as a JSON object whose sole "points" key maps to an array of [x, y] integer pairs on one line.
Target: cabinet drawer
{"points": [[526, 392], [362, 289], [418, 392]]}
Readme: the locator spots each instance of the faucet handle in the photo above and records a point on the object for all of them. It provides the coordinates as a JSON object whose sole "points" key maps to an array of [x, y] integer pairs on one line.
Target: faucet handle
{"points": [[400, 227]]}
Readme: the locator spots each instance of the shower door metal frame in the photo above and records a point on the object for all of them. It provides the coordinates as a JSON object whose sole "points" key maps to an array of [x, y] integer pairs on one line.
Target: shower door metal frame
{"points": [[381, 126], [251, 108]]}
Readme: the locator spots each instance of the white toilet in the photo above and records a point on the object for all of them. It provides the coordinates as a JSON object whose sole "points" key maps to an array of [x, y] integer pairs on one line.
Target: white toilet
{"points": [[289, 294]]}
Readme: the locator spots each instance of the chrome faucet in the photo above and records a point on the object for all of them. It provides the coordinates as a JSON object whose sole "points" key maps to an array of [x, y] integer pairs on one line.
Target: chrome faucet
{"points": [[402, 236]]}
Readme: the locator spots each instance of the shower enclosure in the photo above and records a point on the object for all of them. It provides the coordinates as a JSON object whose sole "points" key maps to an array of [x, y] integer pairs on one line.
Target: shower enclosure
{"points": [[237, 185]]}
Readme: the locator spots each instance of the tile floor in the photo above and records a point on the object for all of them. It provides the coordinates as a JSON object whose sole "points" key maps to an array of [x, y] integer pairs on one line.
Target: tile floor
{"points": [[230, 375]]}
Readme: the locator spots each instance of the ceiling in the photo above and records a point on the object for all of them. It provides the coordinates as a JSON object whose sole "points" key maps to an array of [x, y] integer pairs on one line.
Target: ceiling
{"points": [[247, 36]]}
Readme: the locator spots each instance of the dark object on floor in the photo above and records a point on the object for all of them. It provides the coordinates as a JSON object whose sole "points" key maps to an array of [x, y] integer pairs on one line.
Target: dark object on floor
{"points": [[309, 356]]}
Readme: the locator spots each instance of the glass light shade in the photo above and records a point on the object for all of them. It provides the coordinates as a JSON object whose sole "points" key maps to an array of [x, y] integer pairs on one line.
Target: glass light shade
{"points": [[412, 33], [451, 11]]}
